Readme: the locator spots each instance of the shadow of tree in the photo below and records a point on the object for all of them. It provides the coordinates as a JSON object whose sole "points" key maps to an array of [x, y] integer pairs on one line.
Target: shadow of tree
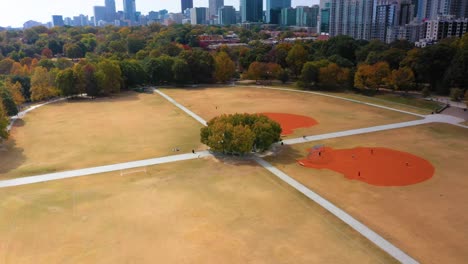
{"points": [[11, 157], [286, 154]]}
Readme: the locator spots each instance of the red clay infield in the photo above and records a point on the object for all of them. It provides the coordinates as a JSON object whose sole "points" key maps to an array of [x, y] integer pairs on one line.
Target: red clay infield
{"points": [[289, 122], [376, 166]]}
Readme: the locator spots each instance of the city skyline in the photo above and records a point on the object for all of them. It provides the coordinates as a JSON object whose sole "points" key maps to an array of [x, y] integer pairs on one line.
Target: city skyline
{"points": [[15, 15]]}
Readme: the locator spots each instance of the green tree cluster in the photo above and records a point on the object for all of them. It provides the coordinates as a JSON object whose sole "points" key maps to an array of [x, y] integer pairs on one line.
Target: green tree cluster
{"points": [[240, 133]]}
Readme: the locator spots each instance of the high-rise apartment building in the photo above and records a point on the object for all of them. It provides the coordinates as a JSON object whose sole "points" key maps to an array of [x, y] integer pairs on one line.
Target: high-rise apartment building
{"points": [[324, 23], [288, 16], [57, 21], [198, 15], [186, 4], [385, 20], [275, 5], [129, 7], [227, 15], [351, 17], [99, 15], [110, 10], [214, 6], [307, 16], [251, 10]]}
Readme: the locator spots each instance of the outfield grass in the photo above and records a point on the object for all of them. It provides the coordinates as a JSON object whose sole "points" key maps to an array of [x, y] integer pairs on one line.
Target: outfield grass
{"points": [[427, 220], [410, 104], [199, 211], [332, 114], [72, 135]]}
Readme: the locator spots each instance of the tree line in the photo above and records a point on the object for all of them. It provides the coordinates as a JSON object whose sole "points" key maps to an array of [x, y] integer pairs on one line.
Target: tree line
{"points": [[40, 63]]}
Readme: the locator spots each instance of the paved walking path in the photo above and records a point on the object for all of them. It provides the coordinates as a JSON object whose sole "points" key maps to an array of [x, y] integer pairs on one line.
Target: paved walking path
{"points": [[345, 217], [185, 109], [339, 97], [23, 113], [102, 169], [428, 119]]}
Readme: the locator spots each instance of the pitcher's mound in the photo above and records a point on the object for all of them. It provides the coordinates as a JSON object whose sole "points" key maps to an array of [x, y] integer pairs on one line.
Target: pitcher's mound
{"points": [[376, 166], [289, 122]]}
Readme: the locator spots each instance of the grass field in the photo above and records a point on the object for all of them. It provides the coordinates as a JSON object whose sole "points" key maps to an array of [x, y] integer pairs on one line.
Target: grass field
{"points": [[199, 211], [410, 104], [427, 220], [332, 114], [71, 135]]}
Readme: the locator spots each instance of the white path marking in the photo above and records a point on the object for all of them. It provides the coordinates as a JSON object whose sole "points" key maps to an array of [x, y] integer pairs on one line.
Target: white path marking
{"points": [[183, 108], [339, 97], [23, 113], [102, 169], [345, 217]]}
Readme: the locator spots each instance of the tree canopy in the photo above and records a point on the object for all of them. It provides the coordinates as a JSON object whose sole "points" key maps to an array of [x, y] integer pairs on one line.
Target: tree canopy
{"points": [[240, 133]]}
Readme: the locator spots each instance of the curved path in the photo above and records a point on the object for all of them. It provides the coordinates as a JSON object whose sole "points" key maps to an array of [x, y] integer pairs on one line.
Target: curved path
{"points": [[24, 112]]}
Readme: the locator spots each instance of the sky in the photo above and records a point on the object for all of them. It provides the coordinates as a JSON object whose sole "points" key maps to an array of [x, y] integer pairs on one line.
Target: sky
{"points": [[16, 12]]}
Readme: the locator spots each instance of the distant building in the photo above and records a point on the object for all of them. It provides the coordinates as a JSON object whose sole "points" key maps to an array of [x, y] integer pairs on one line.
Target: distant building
{"points": [[251, 10], [31, 23], [307, 16], [68, 21], [275, 5], [288, 16], [214, 6], [324, 24], [227, 15], [186, 4], [385, 21], [57, 21], [110, 10], [99, 14], [443, 28], [129, 7], [199, 15]]}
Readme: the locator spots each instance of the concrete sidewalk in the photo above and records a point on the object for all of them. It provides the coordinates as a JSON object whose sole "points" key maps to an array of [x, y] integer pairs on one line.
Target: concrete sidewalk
{"points": [[102, 169]]}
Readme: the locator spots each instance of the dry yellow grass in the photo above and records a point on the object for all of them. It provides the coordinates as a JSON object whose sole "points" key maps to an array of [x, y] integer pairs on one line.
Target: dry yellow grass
{"points": [[199, 211], [332, 114], [72, 135], [427, 220]]}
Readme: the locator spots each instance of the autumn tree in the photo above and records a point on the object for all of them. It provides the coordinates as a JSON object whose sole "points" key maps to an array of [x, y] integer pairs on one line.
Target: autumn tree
{"points": [[66, 83], [296, 58], [402, 79], [109, 77], [333, 76], [224, 67], [15, 91], [3, 123], [181, 72], [7, 101], [5, 65], [371, 76], [41, 86], [240, 133], [310, 72]]}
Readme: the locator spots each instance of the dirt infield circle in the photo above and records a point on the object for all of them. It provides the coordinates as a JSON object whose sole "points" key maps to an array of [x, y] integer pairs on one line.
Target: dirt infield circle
{"points": [[289, 122], [375, 166]]}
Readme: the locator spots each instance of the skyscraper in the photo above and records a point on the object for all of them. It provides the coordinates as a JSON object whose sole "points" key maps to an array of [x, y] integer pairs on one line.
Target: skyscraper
{"points": [[186, 4], [251, 10], [129, 10], [307, 16], [214, 5], [110, 10], [99, 14], [351, 17], [198, 15], [227, 15], [275, 4], [57, 21], [288, 16]]}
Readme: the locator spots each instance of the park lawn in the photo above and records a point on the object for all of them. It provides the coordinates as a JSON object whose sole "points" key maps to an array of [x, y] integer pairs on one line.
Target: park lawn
{"points": [[72, 135], [410, 104], [198, 211], [332, 114], [428, 220]]}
